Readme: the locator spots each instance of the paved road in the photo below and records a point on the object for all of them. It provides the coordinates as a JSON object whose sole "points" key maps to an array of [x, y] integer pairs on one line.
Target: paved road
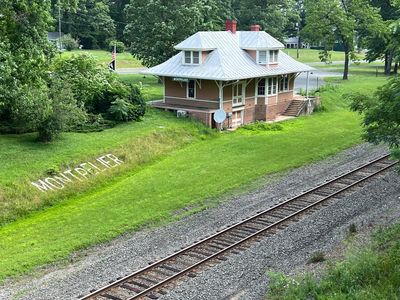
{"points": [[316, 79]]}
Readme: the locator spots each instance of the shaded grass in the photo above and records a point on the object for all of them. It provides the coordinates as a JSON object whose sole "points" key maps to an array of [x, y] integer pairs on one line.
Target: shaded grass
{"points": [[124, 60], [151, 88], [371, 272], [183, 178], [25, 160]]}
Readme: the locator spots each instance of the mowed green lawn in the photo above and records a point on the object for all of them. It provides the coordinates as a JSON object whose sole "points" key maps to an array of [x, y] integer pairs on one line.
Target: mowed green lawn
{"points": [[151, 88], [185, 177], [124, 60], [312, 55]]}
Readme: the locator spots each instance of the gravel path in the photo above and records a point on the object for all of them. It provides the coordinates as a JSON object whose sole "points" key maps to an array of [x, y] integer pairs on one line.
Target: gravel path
{"points": [[241, 276]]}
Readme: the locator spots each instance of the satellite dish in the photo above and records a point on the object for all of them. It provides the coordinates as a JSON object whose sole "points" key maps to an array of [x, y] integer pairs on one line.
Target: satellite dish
{"points": [[219, 116]]}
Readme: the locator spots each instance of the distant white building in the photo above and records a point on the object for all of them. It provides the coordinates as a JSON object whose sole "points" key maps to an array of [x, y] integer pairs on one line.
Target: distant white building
{"points": [[293, 41], [54, 37]]}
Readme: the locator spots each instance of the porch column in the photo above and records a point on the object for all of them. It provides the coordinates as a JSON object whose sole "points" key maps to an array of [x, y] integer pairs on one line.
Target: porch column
{"points": [[221, 95]]}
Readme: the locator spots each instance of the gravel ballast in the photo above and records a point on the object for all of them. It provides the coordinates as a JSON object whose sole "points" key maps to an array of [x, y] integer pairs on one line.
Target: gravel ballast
{"points": [[242, 276]]}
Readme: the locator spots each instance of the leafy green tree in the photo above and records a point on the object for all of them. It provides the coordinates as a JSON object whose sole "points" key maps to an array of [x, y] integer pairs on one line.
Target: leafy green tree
{"points": [[89, 21], [273, 16], [381, 114], [25, 55], [330, 21], [155, 26], [384, 44], [117, 8], [63, 113]]}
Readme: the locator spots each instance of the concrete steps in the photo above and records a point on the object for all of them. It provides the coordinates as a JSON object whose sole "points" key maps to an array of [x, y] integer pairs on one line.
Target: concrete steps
{"points": [[294, 108]]}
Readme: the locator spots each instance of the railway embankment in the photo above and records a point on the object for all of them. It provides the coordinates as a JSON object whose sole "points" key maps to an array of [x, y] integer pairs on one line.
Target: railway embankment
{"points": [[242, 276]]}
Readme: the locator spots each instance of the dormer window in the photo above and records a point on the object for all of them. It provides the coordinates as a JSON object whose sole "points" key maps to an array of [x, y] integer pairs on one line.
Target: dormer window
{"points": [[273, 56], [262, 57], [192, 57], [267, 57]]}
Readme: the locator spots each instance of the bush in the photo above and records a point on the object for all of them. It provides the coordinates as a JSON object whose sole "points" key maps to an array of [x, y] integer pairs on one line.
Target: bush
{"points": [[317, 257], [131, 108], [63, 112], [69, 42], [120, 46], [262, 126]]}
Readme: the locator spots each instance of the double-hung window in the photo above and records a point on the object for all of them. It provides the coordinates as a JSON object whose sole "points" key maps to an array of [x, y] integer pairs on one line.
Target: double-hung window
{"points": [[262, 57], [284, 83], [191, 89], [237, 94], [261, 87], [192, 57], [273, 56], [272, 86]]}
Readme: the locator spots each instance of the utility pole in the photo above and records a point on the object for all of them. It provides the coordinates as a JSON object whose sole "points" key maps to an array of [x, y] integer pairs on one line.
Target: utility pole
{"points": [[59, 26], [298, 39]]}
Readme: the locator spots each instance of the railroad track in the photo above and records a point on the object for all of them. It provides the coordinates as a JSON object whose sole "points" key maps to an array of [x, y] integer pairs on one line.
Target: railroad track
{"points": [[151, 281]]}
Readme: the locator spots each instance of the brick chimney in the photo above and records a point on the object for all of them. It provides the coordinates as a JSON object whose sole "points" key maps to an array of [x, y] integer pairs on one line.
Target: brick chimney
{"points": [[255, 27], [230, 25]]}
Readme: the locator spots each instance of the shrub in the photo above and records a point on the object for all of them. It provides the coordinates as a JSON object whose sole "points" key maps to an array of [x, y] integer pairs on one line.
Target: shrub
{"points": [[69, 42], [62, 113], [262, 126], [120, 46], [317, 257]]}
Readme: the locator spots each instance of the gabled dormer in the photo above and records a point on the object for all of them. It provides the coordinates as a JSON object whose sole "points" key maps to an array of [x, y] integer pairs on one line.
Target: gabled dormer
{"points": [[262, 47], [195, 49]]}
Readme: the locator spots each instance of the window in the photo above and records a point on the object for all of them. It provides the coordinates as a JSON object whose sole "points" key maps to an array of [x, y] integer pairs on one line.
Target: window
{"points": [[188, 57], [237, 94], [196, 58], [262, 57], [272, 86], [261, 87], [192, 57], [191, 89], [284, 83], [273, 56]]}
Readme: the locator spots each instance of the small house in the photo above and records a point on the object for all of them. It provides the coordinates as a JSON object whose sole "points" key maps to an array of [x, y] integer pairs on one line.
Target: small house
{"points": [[244, 73]]}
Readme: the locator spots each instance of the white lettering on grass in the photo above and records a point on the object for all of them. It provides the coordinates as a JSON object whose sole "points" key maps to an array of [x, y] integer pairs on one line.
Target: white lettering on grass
{"points": [[42, 186], [82, 172]]}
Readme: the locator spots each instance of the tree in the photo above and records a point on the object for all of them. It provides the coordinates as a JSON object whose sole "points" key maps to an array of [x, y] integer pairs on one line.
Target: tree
{"points": [[155, 26], [25, 55], [89, 21], [381, 115], [273, 16], [330, 21], [384, 43], [117, 8]]}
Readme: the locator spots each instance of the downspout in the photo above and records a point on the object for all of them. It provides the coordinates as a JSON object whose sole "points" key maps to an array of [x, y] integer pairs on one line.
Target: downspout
{"points": [[221, 95]]}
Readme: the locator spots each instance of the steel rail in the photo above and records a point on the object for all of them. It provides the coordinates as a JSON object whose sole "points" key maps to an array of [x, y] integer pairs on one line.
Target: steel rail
{"points": [[245, 239]]}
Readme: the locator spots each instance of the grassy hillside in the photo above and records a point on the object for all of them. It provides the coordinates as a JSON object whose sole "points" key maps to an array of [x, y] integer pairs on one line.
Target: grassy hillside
{"points": [[371, 272], [124, 60], [25, 160], [170, 179]]}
